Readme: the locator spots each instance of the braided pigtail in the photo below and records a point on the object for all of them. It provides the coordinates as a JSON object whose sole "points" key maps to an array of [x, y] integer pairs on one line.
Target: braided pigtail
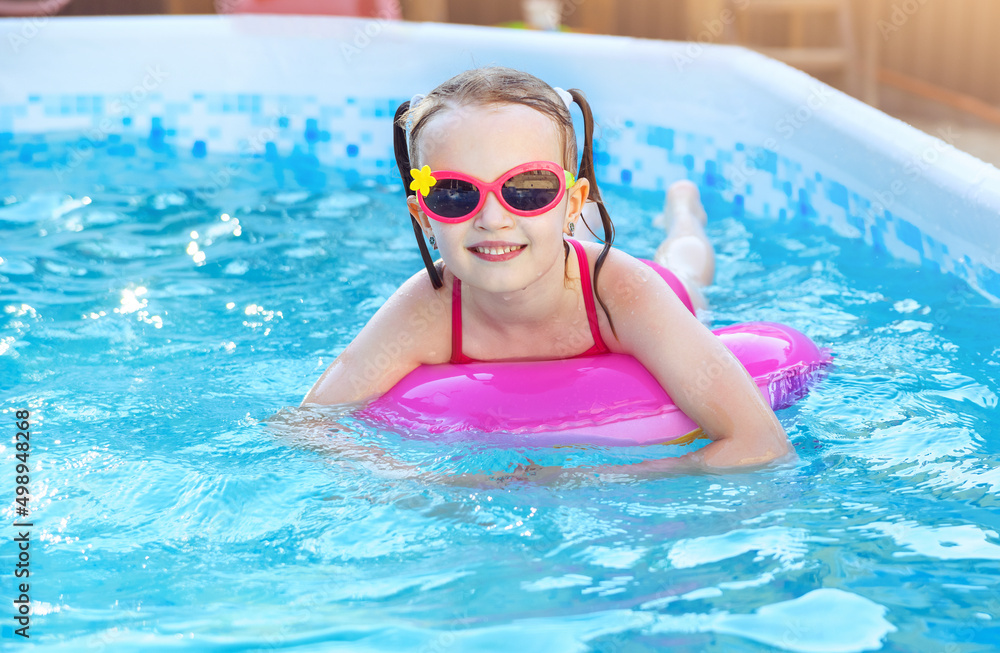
{"points": [[403, 163], [587, 171]]}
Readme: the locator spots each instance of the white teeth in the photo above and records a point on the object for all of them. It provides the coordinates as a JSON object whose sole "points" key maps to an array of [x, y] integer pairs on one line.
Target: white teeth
{"points": [[497, 250]]}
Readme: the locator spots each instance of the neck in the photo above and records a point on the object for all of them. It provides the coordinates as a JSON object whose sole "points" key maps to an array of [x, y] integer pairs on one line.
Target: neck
{"points": [[537, 303]]}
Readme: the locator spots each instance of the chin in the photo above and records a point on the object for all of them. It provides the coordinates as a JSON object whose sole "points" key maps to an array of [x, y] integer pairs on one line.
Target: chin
{"points": [[501, 286]]}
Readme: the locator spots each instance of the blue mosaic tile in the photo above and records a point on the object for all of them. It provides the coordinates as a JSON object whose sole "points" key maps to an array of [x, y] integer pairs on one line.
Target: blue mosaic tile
{"points": [[877, 243], [766, 160], [711, 177], [988, 280], [908, 234], [661, 137], [837, 193]]}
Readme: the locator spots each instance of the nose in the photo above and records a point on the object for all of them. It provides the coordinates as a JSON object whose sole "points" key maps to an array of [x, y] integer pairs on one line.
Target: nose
{"points": [[493, 216]]}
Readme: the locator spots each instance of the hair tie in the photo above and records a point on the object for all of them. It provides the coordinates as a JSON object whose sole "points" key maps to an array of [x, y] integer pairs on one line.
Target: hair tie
{"points": [[414, 101], [566, 98]]}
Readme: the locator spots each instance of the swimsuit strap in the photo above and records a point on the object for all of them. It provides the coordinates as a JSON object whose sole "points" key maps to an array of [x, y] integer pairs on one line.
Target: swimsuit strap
{"points": [[458, 356], [456, 324], [588, 300]]}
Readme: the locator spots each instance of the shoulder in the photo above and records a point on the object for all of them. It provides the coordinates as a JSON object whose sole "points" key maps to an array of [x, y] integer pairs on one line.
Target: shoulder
{"points": [[417, 317], [624, 279], [639, 301], [417, 291]]}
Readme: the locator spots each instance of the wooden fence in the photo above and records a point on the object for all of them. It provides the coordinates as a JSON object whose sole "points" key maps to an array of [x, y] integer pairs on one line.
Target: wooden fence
{"points": [[948, 43]]}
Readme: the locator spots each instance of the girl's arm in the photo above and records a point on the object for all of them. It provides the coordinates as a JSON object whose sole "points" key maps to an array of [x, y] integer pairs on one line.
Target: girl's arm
{"points": [[412, 328], [318, 429], [699, 373]]}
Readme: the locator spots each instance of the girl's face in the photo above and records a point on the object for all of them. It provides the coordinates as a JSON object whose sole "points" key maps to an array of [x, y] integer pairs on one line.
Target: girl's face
{"points": [[485, 142]]}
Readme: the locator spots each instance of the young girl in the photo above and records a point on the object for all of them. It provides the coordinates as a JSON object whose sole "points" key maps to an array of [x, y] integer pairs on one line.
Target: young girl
{"points": [[496, 191]]}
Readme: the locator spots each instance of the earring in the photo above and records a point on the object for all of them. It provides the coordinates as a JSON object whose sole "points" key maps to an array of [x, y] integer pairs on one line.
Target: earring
{"points": [[433, 241], [572, 228]]}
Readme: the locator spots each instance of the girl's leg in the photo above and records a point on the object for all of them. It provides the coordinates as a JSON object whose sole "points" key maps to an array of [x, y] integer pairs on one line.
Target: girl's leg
{"points": [[687, 251]]}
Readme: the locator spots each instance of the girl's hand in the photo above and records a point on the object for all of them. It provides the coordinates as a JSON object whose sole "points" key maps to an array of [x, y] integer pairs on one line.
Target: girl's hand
{"points": [[698, 371], [319, 430], [530, 473]]}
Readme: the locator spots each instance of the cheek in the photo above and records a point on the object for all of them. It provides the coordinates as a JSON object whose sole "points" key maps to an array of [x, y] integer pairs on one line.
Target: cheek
{"points": [[553, 222], [448, 235]]}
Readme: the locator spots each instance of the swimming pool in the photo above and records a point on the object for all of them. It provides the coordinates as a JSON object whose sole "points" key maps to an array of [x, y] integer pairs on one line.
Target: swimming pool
{"points": [[165, 292]]}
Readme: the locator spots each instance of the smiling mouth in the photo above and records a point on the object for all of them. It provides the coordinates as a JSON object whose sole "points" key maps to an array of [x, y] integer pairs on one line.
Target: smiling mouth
{"points": [[496, 251]]}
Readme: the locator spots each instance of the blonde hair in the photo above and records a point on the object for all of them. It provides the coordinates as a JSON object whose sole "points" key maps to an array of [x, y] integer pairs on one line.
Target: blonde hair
{"points": [[494, 85]]}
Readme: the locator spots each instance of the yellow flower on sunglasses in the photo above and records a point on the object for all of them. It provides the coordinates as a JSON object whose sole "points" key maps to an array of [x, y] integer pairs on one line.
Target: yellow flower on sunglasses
{"points": [[422, 180]]}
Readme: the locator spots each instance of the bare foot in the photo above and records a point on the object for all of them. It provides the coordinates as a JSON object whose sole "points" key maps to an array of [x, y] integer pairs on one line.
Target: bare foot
{"points": [[683, 202], [687, 251]]}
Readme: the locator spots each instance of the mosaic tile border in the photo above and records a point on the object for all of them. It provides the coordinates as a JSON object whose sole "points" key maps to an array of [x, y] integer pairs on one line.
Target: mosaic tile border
{"points": [[735, 177]]}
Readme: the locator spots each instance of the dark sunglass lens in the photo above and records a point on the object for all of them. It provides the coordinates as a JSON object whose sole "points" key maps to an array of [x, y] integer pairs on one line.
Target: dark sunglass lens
{"points": [[452, 198], [532, 190]]}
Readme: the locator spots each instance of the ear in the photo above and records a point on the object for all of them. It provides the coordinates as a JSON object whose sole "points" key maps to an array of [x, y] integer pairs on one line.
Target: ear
{"points": [[576, 198], [414, 207]]}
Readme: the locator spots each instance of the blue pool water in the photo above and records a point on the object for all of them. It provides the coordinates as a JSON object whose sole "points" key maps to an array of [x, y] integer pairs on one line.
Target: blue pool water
{"points": [[156, 314]]}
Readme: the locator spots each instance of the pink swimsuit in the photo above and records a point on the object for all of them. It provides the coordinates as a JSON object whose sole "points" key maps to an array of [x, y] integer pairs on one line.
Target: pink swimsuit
{"points": [[588, 299]]}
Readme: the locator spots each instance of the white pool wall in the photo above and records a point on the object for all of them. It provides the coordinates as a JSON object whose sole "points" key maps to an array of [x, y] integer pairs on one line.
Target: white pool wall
{"points": [[761, 139]]}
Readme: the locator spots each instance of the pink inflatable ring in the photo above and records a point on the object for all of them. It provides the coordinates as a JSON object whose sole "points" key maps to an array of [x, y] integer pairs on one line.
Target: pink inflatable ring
{"points": [[605, 400]]}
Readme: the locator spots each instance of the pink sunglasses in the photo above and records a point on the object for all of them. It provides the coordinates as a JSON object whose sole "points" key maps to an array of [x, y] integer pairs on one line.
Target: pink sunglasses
{"points": [[527, 190]]}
